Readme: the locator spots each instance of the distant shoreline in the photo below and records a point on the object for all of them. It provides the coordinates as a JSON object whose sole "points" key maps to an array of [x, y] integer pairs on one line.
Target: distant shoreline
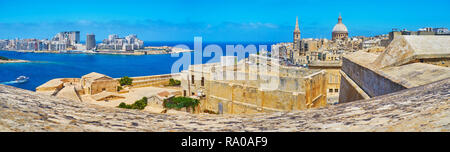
{"points": [[107, 52], [14, 61]]}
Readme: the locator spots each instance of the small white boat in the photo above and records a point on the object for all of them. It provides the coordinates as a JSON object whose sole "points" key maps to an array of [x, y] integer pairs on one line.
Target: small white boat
{"points": [[22, 79]]}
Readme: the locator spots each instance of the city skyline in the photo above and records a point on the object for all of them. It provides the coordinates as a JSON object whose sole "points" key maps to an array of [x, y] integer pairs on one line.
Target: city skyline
{"points": [[216, 21]]}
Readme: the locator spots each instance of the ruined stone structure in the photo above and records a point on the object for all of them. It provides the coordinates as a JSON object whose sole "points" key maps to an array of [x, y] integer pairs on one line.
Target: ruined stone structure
{"points": [[68, 88], [242, 88], [409, 61], [97, 84], [52, 86], [99, 87]]}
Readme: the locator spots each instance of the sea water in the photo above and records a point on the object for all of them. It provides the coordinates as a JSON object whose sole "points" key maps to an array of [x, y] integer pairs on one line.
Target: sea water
{"points": [[47, 66]]}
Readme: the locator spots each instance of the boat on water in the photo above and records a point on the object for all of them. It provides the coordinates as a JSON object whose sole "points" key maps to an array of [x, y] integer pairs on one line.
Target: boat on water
{"points": [[22, 79]]}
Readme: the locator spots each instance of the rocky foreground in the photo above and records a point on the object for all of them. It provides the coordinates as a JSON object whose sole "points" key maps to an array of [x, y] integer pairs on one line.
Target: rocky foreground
{"points": [[424, 108]]}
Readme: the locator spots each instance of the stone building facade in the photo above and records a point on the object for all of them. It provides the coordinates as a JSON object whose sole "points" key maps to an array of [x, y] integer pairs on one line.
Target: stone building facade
{"points": [[304, 51], [222, 91], [94, 83], [332, 78]]}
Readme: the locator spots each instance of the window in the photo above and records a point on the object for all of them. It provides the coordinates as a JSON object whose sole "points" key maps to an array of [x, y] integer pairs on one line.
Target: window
{"points": [[336, 90], [103, 89], [184, 93], [203, 81], [192, 79], [331, 90]]}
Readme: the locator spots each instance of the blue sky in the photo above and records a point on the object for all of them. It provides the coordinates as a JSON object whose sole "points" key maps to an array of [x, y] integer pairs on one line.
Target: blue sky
{"points": [[230, 20]]}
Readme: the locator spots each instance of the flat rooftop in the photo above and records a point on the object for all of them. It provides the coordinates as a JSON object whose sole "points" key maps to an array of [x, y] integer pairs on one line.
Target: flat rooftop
{"points": [[362, 58], [416, 74], [52, 83], [409, 75], [392, 64], [404, 49]]}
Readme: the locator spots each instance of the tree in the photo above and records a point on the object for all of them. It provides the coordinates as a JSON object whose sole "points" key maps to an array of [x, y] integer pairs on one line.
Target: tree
{"points": [[123, 105], [139, 104], [180, 102], [125, 81], [173, 82]]}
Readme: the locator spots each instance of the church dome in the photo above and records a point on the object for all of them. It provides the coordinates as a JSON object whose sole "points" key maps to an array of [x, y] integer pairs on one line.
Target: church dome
{"points": [[340, 27]]}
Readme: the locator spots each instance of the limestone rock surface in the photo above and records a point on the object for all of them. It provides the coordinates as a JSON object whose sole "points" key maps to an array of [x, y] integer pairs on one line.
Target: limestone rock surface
{"points": [[423, 108]]}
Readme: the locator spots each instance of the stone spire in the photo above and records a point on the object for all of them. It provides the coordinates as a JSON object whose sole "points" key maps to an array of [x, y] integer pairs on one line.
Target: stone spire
{"points": [[340, 19], [297, 36], [297, 29]]}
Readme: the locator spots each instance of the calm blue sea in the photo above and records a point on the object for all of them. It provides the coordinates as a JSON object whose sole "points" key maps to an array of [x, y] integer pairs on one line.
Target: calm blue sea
{"points": [[50, 66]]}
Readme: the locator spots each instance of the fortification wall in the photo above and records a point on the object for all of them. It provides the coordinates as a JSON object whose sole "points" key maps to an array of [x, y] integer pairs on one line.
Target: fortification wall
{"points": [[349, 92], [369, 81], [154, 80], [235, 98]]}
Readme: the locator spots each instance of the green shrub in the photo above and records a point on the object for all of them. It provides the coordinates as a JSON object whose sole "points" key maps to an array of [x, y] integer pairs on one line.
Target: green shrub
{"points": [[180, 102], [3, 58], [140, 104], [125, 81], [119, 88], [125, 106], [173, 82]]}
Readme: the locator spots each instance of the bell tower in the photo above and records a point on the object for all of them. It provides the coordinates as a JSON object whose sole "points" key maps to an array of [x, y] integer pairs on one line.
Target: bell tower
{"points": [[296, 36]]}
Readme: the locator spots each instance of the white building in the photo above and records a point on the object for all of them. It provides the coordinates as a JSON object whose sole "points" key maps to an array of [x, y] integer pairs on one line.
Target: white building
{"points": [[129, 43]]}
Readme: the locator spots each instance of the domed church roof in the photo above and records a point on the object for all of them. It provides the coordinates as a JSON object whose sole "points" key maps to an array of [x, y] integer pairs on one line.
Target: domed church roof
{"points": [[340, 27]]}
